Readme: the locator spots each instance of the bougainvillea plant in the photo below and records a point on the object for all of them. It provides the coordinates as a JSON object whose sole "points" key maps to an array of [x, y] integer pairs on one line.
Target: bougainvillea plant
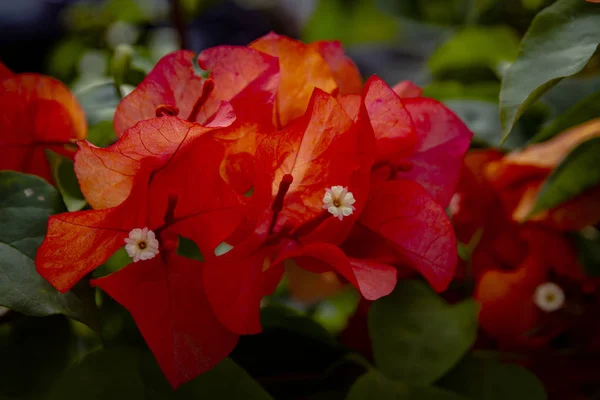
{"points": [[264, 221], [280, 152]]}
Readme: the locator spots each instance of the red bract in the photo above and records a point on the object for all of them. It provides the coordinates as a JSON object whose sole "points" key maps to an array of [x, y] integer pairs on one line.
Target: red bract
{"points": [[402, 225], [166, 297], [150, 165], [286, 219], [417, 139], [245, 78], [236, 75], [38, 113], [512, 262]]}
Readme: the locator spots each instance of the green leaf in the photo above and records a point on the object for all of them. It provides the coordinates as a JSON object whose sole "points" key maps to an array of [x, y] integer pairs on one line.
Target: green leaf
{"points": [[102, 134], [559, 43], [487, 47], [117, 261], [588, 244], [226, 381], [26, 202], [101, 375], [451, 90], [189, 249], [442, 12], [33, 352], [583, 111], [480, 116], [374, 385], [99, 100], [352, 23], [481, 379], [333, 313], [578, 172], [129, 373], [63, 172], [120, 65], [417, 336]]}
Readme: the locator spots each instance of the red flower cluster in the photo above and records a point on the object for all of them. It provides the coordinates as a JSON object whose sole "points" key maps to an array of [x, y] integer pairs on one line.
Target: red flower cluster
{"points": [[38, 113], [282, 153], [526, 269]]}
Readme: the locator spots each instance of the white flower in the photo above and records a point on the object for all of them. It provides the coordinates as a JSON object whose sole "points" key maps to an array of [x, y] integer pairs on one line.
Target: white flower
{"points": [[338, 201], [141, 244], [549, 297]]}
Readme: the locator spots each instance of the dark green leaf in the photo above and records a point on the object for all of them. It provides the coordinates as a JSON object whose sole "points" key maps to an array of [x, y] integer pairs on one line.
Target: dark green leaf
{"points": [[578, 172], [559, 43], [33, 352], [188, 248], [26, 202], [374, 385], [226, 381], [570, 91], [284, 318], [417, 336], [63, 172], [583, 111], [101, 375], [481, 379], [129, 373], [480, 116], [588, 244], [487, 47]]}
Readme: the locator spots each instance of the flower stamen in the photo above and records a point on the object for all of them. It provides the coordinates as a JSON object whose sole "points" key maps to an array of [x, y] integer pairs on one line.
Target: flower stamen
{"points": [[141, 244], [339, 201]]}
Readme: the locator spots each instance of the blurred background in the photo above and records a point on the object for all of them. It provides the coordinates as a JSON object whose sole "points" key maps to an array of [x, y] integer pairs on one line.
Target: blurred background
{"points": [[456, 49]]}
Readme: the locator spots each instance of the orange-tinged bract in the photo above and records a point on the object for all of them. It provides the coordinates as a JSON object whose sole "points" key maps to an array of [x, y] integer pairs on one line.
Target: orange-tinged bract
{"points": [[513, 263], [302, 70], [152, 163], [521, 174], [38, 113]]}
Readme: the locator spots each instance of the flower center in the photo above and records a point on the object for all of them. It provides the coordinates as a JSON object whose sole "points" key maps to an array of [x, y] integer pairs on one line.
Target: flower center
{"points": [[549, 297], [141, 244], [339, 201]]}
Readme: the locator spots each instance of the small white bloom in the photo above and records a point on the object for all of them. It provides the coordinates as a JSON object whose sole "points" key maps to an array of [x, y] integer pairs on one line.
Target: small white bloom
{"points": [[339, 201], [41, 198], [549, 297], [141, 244], [28, 192]]}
